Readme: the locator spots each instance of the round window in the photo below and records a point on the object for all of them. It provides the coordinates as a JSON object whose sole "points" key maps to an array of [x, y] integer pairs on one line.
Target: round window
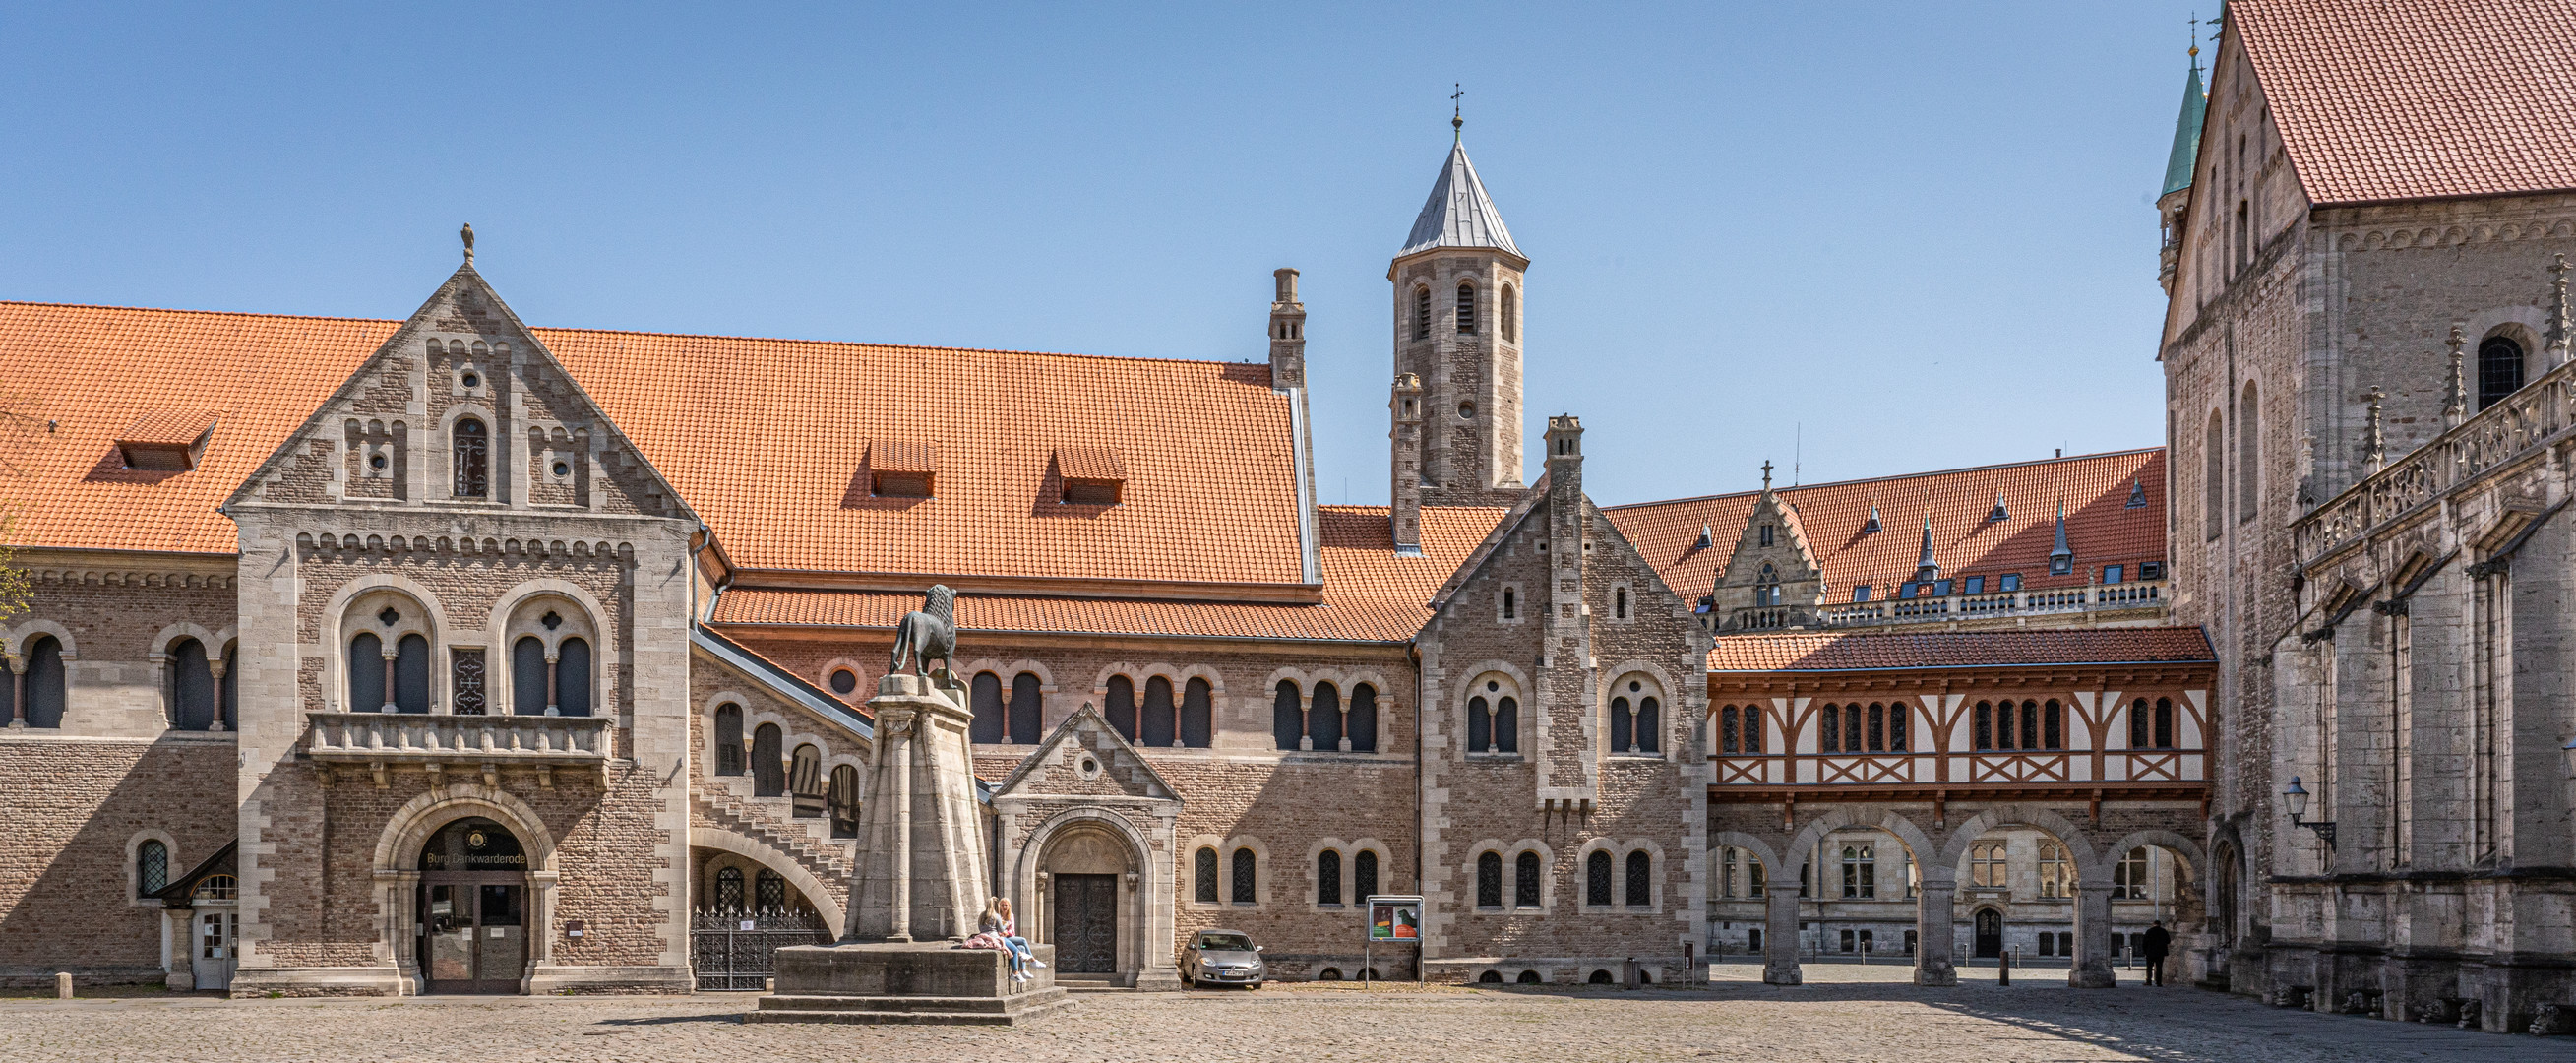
{"points": [[1466, 411], [1491, 685], [563, 468], [377, 462], [473, 380], [844, 681]]}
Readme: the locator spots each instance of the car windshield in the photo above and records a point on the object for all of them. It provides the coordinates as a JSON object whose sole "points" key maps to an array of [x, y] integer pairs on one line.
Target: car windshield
{"points": [[1225, 943]]}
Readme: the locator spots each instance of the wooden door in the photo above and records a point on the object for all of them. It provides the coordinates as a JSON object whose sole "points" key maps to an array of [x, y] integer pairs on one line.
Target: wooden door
{"points": [[1086, 924], [1990, 933]]}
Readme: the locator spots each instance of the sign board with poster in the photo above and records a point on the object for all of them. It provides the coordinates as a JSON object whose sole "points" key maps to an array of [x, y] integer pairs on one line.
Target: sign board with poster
{"points": [[1392, 919]]}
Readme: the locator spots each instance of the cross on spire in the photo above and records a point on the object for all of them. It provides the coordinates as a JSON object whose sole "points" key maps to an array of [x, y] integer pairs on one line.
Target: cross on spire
{"points": [[1457, 113], [1766, 474]]}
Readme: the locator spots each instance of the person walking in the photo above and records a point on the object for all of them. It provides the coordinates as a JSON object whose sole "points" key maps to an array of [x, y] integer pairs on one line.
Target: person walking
{"points": [[2159, 941]]}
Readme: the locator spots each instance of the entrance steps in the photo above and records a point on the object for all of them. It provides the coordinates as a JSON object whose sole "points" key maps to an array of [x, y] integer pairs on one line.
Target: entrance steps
{"points": [[1091, 983]]}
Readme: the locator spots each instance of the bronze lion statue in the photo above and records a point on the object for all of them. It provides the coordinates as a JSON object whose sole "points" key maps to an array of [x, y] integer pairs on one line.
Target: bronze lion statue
{"points": [[927, 634]]}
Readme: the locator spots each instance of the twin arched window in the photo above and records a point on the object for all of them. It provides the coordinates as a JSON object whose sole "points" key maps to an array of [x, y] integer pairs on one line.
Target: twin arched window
{"points": [[472, 443], [1325, 724], [1015, 722], [1640, 884], [2151, 729], [1766, 584], [2033, 725], [1493, 721], [1636, 726], [1160, 722], [558, 687], [199, 699], [381, 681], [1328, 876], [729, 895], [1526, 871], [1739, 730], [35, 692]]}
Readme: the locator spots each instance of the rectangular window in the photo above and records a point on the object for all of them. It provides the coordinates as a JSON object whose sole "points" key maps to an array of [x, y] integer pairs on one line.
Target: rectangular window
{"points": [[1976, 585], [2151, 570], [2113, 573], [1847, 941], [2008, 582], [1905, 591], [1941, 588], [1766, 535], [1860, 592]]}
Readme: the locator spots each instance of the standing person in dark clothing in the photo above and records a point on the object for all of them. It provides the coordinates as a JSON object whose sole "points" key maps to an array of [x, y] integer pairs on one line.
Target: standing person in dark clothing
{"points": [[2159, 941]]}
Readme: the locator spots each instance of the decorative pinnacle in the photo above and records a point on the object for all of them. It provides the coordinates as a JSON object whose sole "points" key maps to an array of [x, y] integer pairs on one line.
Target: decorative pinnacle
{"points": [[468, 234], [2562, 319], [2374, 441], [1766, 474], [2455, 394]]}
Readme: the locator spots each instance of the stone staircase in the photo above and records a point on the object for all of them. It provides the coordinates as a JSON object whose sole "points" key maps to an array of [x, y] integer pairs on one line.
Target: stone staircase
{"points": [[771, 821]]}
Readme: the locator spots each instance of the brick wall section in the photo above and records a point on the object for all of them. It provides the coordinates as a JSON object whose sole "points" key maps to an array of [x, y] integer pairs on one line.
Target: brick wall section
{"points": [[117, 618], [75, 808]]}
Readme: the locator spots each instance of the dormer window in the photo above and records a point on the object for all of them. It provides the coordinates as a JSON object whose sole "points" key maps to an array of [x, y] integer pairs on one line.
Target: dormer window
{"points": [[901, 469], [165, 440], [1093, 476], [472, 443]]}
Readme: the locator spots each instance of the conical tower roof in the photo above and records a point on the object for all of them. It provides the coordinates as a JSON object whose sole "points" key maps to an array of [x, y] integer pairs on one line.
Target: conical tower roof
{"points": [[1459, 213], [2186, 142]]}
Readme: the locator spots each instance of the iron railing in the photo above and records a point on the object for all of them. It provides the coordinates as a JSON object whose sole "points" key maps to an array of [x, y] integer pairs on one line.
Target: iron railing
{"points": [[733, 950]]}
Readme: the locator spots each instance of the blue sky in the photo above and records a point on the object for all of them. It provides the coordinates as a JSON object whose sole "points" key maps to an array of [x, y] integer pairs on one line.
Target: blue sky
{"points": [[1912, 236]]}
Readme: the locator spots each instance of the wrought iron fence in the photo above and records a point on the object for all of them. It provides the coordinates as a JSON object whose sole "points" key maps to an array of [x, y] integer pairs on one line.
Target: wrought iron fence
{"points": [[732, 949]]}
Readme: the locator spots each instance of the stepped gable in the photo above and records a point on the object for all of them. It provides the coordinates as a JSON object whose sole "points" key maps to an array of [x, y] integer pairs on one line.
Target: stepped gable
{"points": [[2416, 99], [1958, 649], [2101, 525]]}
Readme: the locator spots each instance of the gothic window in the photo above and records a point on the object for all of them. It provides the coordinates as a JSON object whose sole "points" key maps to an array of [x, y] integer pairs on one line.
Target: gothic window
{"points": [[729, 753], [769, 891], [1860, 871], [2499, 369], [729, 889], [1363, 876], [473, 446], [1160, 720], [805, 781], [1022, 726], [768, 761], [1287, 718], [572, 677], [1328, 877], [984, 696], [1466, 308], [1121, 706], [2056, 875], [1984, 728], [2129, 877], [471, 685], [1726, 730], [2164, 723], [1203, 876], [1507, 726], [192, 686], [1489, 879], [1325, 721], [2052, 724], [1363, 728], [845, 801], [1987, 867], [2214, 479], [1244, 880], [2248, 454], [1641, 879], [1422, 312], [1198, 714], [151, 867], [1766, 587], [528, 676], [1480, 719], [1508, 315], [1596, 879], [1832, 718], [1525, 880]]}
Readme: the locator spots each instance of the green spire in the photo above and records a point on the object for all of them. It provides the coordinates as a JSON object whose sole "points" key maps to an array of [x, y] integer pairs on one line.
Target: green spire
{"points": [[2186, 142]]}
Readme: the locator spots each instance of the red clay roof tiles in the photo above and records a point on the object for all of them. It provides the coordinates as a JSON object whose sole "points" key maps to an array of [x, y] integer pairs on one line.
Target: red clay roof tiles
{"points": [[1957, 649], [177, 428], [1089, 463], [2410, 99]]}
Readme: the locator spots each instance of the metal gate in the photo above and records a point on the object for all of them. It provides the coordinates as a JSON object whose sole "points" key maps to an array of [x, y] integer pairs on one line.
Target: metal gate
{"points": [[731, 950]]}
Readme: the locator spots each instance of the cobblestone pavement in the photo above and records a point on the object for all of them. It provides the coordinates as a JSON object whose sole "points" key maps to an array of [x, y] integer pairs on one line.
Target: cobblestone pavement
{"points": [[1843, 1013]]}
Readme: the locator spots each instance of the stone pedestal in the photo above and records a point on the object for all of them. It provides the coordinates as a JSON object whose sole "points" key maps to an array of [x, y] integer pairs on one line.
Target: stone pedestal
{"points": [[1936, 937], [929, 983]]}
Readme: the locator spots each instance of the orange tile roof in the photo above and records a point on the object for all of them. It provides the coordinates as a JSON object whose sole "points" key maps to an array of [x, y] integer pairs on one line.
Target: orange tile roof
{"points": [[2100, 527], [764, 438], [1370, 594], [1958, 649], [2410, 99], [1089, 463], [177, 428]]}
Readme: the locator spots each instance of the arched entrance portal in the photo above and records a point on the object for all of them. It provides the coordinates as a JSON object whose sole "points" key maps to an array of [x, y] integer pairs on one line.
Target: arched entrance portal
{"points": [[1990, 933], [1086, 880], [473, 909]]}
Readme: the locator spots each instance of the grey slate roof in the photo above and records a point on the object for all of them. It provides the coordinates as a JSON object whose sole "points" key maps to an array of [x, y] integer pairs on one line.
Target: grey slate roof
{"points": [[1459, 213]]}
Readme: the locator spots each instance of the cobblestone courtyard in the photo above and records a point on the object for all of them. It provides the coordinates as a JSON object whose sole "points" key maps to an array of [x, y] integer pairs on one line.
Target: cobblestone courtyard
{"points": [[1844, 1013]]}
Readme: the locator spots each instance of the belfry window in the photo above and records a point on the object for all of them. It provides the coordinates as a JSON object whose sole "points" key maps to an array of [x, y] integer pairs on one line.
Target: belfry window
{"points": [[1466, 308], [2499, 369], [473, 445], [1508, 315], [1422, 313]]}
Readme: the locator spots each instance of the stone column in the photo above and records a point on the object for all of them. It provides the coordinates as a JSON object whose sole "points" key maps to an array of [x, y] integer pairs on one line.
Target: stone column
{"points": [[216, 666], [541, 917], [1936, 937], [2092, 938], [395, 893], [18, 690], [1780, 932], [922, 855]]}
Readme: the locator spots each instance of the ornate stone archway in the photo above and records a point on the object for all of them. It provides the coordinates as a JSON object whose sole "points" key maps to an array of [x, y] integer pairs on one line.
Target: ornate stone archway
{"points": [[1098, 841]]}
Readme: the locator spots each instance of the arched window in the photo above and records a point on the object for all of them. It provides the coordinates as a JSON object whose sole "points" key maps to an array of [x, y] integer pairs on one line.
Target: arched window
{"points": [[368, 690], [1507, 726], [411, 674], [768, 761], [473, 445], [1203, 874], [1363, 876], [1529, 978], [729, 896], [1984, 728], [1622, 726], [1287, 722], [1466, 307], [192, 686], [1619, 603], [2249, 465], [729, 753], [1198, 714], [1508, 315], [1422, 312], [2139, 722], [2499, 369], [1650, 725], [805, 782], [2029, 724], [1852, 728], [1121, 706], [984, 697], [1160, 724], [2004, 725], [1896, 716], [845, 801], [1830, 738], [2052, 725], [1596, 879], [2164, 723], [1363, 716], [1244, 878], [2213, 477], [769, 891], [1024, 725], [1328, 877], [572, 677], [1525, 880], [1489, 879], [1480, 725], [43, 682], [1324, 719], [528, 676], [1641, 879], [151, 867], [1726, 730]]}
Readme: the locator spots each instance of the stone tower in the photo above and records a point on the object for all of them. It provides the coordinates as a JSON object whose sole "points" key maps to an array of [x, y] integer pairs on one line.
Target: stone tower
{"points": [[1457, 286]]}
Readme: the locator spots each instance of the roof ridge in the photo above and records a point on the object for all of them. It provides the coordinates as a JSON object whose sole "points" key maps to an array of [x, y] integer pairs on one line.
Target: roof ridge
{"points": [[1892, 476], [205, 313]]}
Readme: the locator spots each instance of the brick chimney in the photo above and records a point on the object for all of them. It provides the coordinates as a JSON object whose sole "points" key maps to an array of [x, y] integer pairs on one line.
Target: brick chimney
{"points": [[1404, 495]]}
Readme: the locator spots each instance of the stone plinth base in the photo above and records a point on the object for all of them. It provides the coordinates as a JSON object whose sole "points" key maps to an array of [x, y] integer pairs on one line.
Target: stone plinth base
{"points": [[912, 982]]}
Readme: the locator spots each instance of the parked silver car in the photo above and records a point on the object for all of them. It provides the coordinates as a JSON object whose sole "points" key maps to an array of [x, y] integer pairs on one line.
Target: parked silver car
{"points": [[1223, 957]]}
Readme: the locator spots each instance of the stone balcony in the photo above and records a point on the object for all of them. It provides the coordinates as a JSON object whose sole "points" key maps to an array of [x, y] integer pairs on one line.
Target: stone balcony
{"points": [[2518, 429], [381, 741], [2099, 598]]}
